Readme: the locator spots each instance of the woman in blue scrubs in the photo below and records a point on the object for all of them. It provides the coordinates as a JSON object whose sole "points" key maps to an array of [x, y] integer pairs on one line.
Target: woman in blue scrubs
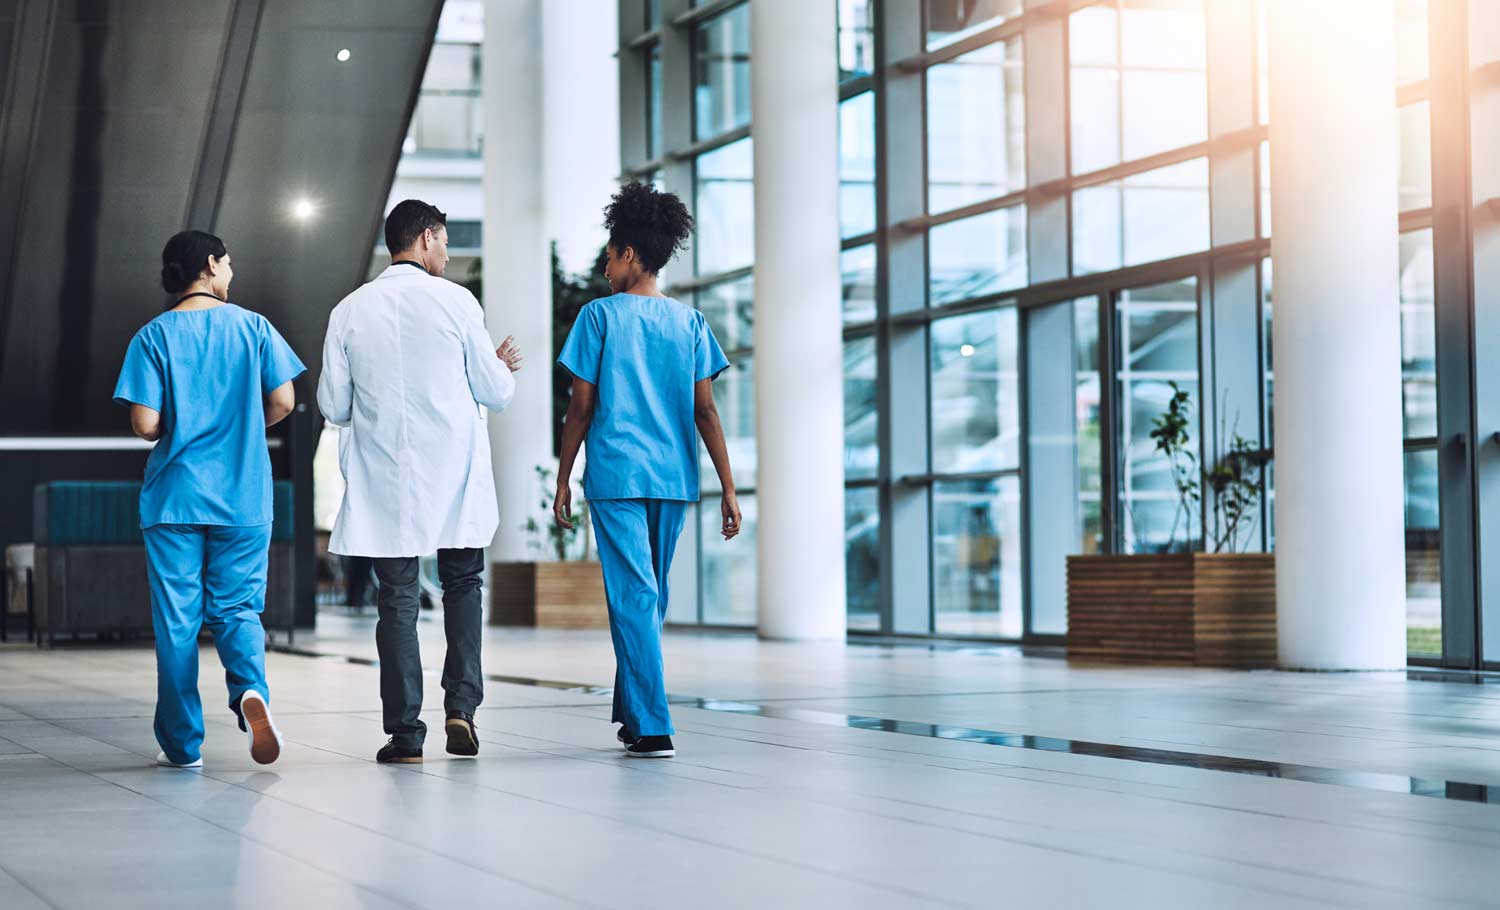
{"points": [[203, 381], [642, 366]]}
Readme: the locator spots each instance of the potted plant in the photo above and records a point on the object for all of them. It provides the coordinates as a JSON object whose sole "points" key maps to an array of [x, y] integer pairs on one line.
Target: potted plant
{"points": [[562, 587], [1208, 602]]}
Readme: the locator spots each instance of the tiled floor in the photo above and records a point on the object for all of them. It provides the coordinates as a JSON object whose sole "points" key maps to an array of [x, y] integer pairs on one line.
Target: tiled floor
{"points": [[785, 810]]}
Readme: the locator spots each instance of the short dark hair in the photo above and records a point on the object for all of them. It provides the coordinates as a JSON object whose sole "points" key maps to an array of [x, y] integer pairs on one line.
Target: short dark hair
{"points": [[408, 220], [185, 257], [653, 223]]}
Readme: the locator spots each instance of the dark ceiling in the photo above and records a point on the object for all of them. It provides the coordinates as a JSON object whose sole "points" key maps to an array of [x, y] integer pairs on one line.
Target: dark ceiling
{"points": [[125, 121]]}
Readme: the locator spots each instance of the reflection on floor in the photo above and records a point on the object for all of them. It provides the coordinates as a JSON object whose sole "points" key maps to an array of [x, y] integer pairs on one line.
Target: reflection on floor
{"points": [[768, 802]]}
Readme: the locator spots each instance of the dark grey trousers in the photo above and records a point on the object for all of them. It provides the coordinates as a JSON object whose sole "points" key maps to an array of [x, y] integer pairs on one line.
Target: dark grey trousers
{"points": [[396, 640]]}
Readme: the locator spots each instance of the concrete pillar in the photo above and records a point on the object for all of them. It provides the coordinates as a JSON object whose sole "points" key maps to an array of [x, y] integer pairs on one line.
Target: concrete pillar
{"points": [[1340, 554], [798, 326], [580, 123], [517, 264]]}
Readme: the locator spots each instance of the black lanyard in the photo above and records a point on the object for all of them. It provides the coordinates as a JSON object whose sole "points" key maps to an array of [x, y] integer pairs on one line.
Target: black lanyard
{"points": [[199, 294], [413, 263]]}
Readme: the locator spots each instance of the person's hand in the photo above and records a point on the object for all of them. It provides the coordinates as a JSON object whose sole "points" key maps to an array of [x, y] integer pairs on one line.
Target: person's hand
{"points": [[510, 352], [729, 507], [562, 506]]}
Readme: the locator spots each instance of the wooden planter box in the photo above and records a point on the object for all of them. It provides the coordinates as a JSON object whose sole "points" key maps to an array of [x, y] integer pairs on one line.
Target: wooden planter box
{"points": [[1202, 609], [552, 595]]}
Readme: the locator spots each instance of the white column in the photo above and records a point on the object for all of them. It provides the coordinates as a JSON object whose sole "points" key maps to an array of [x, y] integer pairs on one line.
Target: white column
{"points": [[517, 265], [798, 325], [1340, 552], [581, 123]]}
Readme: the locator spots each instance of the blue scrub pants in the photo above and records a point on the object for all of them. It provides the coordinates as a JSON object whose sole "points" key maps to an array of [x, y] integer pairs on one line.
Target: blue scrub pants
{"points": [[209, 575], [636, 539]]}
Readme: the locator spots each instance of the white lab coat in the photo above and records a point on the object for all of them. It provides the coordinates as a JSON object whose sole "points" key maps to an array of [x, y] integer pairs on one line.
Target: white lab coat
{"points": [[407, 363]]}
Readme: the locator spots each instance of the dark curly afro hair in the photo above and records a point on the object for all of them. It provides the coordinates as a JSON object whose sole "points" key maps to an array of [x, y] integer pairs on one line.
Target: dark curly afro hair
{"points": [[653, 223]]}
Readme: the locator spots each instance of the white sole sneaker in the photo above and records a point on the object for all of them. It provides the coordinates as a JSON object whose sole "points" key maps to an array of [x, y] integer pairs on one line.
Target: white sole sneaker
{"points": [[164, 762], [265, 739]]}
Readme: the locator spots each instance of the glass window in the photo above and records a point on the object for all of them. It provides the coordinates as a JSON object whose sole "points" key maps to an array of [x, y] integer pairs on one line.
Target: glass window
{"points": [[976, 127], [985, 254], [653, 103], [976, 557], [856, 39], [725, 210], [1139, 80], [858, 267], [1158, 214], [1411, 41], [1418, 344], [857, 165], [1424, 587], [1087, 402], [861, 416], [730, 310], [728, 566], [721, 97], [1416, 156], [862, 557], [976, 424], [1158, 346], [734, 394], [948, 20]]}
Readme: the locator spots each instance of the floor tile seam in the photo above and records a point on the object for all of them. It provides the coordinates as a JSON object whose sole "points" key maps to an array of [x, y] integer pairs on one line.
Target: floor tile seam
{"points": [[673, 835], [597, 815], [1397, 829], [1165, 865], [1290, 731], [400, 842], [986, 836], [1008, 765], [28, 886], [1176, 757], [750, 737], [265, 845], [1113, 790], [999, 769]]}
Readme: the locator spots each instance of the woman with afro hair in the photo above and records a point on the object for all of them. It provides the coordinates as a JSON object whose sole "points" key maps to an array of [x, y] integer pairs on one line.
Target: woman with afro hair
{"points": [[642, 367]]}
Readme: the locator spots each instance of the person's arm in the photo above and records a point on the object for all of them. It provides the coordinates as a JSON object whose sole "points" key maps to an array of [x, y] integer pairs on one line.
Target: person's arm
{"points": [[575, 428], [280, 403], [706, 415], [145, 422], [489, 369], [336, 383]]}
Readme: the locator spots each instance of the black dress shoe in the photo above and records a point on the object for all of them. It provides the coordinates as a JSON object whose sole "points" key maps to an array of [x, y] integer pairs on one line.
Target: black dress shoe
{"points": [[651, 747], [625, 736], [463, 739], [392, 754]]}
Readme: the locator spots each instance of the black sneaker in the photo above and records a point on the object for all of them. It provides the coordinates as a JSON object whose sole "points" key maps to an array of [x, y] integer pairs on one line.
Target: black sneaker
{"points": [[651, 747], [463, 739], [625, 736], [392, 754]]}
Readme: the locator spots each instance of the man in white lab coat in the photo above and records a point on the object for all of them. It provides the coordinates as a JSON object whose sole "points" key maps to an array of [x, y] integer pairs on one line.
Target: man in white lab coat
{"points": [[407, 367]]}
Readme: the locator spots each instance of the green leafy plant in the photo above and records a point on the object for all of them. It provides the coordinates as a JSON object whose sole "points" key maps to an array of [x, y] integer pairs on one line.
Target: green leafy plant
{"points": [[1232, 483], [548, 535], [1170, 431]]}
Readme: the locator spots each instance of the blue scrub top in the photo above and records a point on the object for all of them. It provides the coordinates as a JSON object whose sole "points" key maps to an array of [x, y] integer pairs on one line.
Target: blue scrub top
{"points": [[207, 372], [644, 354]]}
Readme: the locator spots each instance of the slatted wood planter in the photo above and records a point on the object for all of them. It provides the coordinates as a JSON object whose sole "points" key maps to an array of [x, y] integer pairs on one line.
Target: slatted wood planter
{"points": [[1202, 609], [551, 595]]}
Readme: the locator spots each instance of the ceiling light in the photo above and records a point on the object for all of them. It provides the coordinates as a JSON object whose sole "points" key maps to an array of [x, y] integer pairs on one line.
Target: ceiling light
{"points": [[344, 55], [966, 351], [303, 209]]}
